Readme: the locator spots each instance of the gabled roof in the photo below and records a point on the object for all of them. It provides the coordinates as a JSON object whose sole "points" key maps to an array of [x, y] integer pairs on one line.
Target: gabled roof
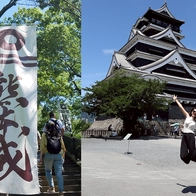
{"points": [[139, 20], [143, 55], [158, 28], [167, 33], [173, 56], [164, 10], [135, 31], [138, 38], [119, 60]]}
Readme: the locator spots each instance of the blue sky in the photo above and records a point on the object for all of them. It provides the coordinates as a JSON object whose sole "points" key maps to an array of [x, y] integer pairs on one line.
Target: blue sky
{"points": [[106, 25], [11, 10]]}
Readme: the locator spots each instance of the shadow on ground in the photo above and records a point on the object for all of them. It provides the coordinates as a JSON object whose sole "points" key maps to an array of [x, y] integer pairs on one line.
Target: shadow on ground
{"points": [[188, 189]]}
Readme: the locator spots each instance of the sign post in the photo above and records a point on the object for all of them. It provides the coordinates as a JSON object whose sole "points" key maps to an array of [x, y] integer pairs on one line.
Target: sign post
{"points": [[127, 137]]}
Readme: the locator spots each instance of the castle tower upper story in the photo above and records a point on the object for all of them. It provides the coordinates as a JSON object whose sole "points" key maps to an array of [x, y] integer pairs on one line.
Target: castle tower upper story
{"points": [[154, 50]]}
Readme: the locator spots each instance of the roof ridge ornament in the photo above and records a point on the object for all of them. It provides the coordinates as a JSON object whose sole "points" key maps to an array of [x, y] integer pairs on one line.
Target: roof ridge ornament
{"points": [[176, 61]]}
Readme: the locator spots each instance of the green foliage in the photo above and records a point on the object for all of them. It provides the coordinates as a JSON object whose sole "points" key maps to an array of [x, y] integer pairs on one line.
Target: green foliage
{"points": [[78, 126], [59, 53], [126, 97], [72, 7]]}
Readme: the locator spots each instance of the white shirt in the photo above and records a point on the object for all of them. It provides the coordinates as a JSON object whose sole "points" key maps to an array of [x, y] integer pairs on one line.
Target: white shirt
{"points": [[189, 125]]}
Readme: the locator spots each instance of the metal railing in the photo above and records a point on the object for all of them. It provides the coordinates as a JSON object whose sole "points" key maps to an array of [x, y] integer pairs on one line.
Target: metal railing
{"points": [[73, 147]]}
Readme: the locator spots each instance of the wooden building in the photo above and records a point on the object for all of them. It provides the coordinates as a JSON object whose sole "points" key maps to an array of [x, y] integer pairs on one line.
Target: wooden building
{"points": [[154, 50]]}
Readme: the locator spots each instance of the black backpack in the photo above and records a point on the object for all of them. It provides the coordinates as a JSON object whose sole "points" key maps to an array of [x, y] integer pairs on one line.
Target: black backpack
{"points": [[53, 137]]}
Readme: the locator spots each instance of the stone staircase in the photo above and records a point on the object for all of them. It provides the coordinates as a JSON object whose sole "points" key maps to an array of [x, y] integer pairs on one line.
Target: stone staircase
{"points": [[72, 180]]}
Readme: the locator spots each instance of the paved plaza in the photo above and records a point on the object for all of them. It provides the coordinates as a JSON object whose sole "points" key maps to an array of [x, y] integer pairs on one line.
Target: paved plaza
{"points": [[153, 168]]}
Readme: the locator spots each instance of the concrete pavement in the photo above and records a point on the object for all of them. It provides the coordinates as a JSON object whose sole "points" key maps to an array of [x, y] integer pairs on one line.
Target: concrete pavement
{"points": [[152, 169]]}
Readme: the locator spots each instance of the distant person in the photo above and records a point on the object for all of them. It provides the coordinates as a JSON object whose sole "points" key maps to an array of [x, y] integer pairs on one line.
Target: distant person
{"points": [[172, 131], [109, 132], [176, 130], [38, 144], [155, 129], [187, 149], [110, 127]]}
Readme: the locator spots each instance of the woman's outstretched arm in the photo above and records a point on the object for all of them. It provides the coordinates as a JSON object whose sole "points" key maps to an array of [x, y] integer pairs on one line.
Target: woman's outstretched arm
{"points": [[180, 106]]}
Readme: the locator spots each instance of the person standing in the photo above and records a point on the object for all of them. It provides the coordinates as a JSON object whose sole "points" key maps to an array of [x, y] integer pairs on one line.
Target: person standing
{"points": [[51, 159], [187, 149], [38, 144], [109, 132], [110, 129], [155, 129], [176, 130]]}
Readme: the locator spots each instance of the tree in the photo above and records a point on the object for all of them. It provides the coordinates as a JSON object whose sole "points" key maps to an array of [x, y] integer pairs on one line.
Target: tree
{"points": [[72, 6], [12, 3], [8, 6], [79, 126], [125, 97], [59, 55]]}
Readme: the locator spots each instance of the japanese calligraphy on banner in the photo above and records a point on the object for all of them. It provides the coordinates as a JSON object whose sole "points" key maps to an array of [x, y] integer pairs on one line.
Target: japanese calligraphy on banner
{"points": [[18, 110]]}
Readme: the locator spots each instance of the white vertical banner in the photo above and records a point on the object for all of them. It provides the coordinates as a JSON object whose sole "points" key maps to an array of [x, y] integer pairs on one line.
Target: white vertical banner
{"points": [[18, 110]]}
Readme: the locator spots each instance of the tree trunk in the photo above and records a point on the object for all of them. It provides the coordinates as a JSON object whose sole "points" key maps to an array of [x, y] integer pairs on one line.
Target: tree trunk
{"points": [[149, 115], [7, 7], [129, 127]]}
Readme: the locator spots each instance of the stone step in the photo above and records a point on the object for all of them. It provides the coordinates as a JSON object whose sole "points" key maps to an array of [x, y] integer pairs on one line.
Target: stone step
{"points": [[66, 193], [66, 188], [67, 181], [71, 176], [67, 171]]}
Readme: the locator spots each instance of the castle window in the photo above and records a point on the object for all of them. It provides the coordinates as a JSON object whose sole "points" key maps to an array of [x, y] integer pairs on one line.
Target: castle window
{"points": [[165, 24], [175, 28], [159, 22], [153, 20]]}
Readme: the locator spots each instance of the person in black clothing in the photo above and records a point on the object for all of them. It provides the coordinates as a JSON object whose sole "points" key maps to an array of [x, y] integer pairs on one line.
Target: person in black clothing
{"points": [[109, 131], [110, 128]]}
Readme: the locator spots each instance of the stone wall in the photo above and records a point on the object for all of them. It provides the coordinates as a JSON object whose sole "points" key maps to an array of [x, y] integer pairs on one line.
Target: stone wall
{"points": [[176, 113]]}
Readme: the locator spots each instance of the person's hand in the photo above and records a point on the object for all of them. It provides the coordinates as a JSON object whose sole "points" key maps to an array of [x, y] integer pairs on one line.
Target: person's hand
{"points": [[40, 161], [174, 97]]}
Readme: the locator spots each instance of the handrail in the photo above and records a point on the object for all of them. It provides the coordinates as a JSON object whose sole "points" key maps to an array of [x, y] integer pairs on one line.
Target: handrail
{"points": [[73, 147]]}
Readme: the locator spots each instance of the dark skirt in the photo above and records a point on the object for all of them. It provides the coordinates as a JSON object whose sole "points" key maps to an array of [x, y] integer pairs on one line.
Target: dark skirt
{"points": [[187, 149]]}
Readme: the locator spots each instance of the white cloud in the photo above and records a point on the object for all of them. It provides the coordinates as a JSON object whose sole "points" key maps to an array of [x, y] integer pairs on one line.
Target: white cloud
{"points": [[108, 51]]}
